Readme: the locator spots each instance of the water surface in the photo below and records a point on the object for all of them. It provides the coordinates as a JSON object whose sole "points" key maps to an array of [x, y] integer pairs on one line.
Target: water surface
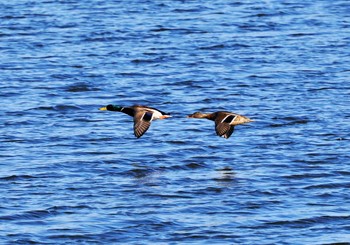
{"points": [[73, 174]]}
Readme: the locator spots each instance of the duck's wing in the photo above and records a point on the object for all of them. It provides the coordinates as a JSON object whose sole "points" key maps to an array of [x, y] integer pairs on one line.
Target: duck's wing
{"points": [[228, 133], [222, 124], [223, 129], [142, 121]]}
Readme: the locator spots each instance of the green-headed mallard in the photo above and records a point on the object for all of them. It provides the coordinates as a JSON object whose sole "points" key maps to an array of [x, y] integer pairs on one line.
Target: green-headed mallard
{"points": [[143, 116], [224, 121]]}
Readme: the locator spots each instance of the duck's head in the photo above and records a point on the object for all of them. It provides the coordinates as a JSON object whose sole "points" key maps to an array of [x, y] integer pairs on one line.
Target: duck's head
{"points": [[111, 107], [198, 115]]}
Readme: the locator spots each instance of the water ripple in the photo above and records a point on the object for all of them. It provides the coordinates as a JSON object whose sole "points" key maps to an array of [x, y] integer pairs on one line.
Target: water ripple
{"points": [[74, 174]]}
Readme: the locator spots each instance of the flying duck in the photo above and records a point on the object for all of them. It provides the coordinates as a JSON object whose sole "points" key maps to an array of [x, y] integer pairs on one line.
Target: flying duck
{"points": [[225, 121], [143, 116]]}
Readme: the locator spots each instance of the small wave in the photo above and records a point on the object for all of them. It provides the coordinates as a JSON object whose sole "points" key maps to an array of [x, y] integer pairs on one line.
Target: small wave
{"points": [[139, 172], [65, 209], [343, 173], [57, 108], [145, 61], [177, 142], [195, 165], [307, 175], [17, 177], [299, 223], [171, 196], [164, 29], [188, 166], [213, 47], [80, 87], [62, 76], [189, 10], [301, 34], [30, 215], [288, 121], [329, 186]]}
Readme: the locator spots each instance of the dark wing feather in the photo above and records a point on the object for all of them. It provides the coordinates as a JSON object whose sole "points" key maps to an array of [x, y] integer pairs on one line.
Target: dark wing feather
{"points": [[140, 124], [229, 132], [222, 128]]}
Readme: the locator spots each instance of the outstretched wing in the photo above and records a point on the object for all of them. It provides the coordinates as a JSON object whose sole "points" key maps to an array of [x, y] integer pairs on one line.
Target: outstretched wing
{"points": [[142, 121], [228, 133], [222, 125], [222, 128]]}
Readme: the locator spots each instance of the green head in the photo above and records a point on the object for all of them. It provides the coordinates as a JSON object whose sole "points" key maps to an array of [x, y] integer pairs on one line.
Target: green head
{"points": [[111, 108]]}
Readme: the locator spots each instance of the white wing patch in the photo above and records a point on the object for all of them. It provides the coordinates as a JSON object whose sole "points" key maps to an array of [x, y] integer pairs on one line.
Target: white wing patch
{"points": [[229, 119]]}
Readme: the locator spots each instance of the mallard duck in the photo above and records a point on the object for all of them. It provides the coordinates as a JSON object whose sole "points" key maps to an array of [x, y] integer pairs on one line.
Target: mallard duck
{"points": [[225, 121], [143, 116]]}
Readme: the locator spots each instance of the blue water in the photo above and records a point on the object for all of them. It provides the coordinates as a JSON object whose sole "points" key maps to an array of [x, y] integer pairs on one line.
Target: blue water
{"points": [[71, 174]]}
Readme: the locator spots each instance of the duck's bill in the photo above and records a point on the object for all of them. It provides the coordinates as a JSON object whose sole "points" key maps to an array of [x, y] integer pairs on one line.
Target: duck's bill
{"points": [[103, 108]]}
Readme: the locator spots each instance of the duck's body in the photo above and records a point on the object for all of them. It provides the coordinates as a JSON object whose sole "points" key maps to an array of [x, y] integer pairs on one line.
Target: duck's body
{"points": [[143, 116], [224, 121]]}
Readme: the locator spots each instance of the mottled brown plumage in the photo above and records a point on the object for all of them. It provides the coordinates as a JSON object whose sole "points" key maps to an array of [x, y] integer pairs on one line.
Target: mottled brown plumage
{"points": [[224, 121]]}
